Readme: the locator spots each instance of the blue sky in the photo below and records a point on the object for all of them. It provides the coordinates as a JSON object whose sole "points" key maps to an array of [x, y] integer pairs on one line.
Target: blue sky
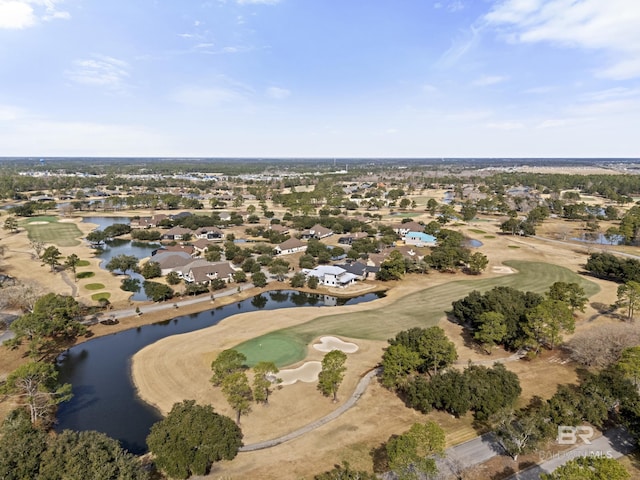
{"points": [[320, 78]]}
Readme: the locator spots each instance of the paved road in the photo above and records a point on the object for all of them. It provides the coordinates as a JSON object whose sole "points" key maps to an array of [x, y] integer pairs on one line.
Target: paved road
{"points": [[355, 396], [614, 444], [157, 307]]}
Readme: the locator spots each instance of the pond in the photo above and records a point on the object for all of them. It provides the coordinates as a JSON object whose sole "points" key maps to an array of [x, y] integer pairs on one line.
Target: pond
{"points": [[104, 398], [118, 246], [599, 238], [474, 243]]}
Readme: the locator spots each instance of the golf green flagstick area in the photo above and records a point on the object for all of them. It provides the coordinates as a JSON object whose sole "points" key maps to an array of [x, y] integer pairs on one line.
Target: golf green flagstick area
{"points": [[421, 309]]}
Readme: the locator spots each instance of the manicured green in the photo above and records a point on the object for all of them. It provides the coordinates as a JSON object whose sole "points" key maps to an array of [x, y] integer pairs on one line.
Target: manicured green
{"points": [[489, 236], [513, 246], [83, 263], [94, 286], [61, 234], [421, 309], [475, 230], [277, 347], [99, 296], [82, 275]]}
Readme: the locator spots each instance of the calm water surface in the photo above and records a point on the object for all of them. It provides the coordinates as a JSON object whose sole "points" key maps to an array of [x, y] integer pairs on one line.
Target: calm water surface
{"points": [[99, 370]]}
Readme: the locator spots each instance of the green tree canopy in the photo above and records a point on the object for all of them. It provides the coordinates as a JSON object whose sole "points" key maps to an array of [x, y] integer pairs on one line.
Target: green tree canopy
{"points": [[35, 386], [122, 263], [21, 447], [52, 320], [332, 373], [589, 468], [237, 391], [226, 363], [264, 376], [191, 438], [84, 455], [411, 454], [51, 256]]}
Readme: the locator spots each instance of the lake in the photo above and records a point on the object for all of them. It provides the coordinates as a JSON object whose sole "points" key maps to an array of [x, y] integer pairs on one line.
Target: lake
{"points": [[118, 246], [99, 370]]}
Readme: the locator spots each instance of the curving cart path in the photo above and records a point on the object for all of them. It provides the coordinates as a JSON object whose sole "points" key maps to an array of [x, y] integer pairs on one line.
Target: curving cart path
{"points": [[355, 396]]}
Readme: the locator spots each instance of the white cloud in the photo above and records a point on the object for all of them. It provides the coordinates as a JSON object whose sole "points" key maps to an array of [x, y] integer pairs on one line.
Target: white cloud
{"points": [[101, 71], [278, 93], [9, 113], [469, 115], [428, 88], [505, 125], [215, 96], [609, 25], [19, 14], [487, 80], [460, 47]]}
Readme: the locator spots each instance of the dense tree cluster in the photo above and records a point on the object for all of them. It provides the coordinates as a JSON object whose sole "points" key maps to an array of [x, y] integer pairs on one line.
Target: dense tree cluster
{"points": [[28, 452], [191, 438], [607, 397], [413, 352], [479, 389], [52, 321], [516, 319], [610, 267]]}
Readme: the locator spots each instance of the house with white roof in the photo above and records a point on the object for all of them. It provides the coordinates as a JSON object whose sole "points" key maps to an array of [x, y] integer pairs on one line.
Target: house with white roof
{"points": [[331, 276], [419, 239]]}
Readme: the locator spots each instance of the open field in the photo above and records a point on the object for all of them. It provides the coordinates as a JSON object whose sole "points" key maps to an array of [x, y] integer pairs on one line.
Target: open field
{"points": [[50, 230], [420, 309]]}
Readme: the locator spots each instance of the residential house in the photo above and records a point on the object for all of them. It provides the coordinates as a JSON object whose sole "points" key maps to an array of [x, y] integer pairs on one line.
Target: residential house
{"points": [[171, 260], [349, 239], [210, 233], [201, 245], [175, 248], [403, 228], [317, 232], [361, 270], [293, 245], [177, 233], [331, 276], [204, 274], [419, 239]]}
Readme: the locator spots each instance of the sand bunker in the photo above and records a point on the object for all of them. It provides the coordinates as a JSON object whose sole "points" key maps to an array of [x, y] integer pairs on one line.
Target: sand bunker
{"points": [[307, 372], [328, 344], [67, 220], [40, 222], [503, 270]]}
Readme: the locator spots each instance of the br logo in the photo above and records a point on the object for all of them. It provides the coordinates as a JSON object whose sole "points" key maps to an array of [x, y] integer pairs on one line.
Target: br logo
{"points": [[568, 435]]}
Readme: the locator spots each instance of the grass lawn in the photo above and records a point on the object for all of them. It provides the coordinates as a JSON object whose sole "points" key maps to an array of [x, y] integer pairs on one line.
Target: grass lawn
{"points": [[94, 286], [421, 309], [82, 275], [489, 236], [61, 234], [513, 246], [83, 263], [99, 296], [475, 230]]}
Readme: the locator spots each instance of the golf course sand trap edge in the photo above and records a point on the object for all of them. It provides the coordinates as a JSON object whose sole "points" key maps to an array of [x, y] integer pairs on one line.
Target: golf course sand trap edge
{"points": [[328, 344], [307, 372], [39, 222], [503, 270]]}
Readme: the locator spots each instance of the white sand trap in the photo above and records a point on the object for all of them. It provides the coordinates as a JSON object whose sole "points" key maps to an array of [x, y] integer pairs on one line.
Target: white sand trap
{"points": [[67, 220], [503, 270], [307, 372], [41, 222], [332, 343]]}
